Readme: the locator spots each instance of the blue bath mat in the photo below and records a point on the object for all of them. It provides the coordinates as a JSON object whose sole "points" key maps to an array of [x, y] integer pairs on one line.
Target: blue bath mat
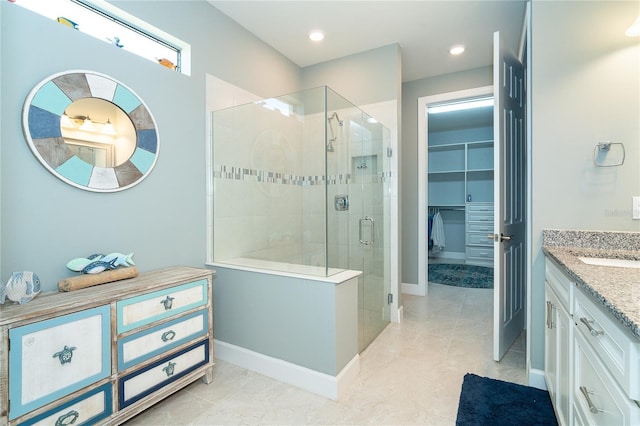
{"points": [[461, 275], [485, 401]]}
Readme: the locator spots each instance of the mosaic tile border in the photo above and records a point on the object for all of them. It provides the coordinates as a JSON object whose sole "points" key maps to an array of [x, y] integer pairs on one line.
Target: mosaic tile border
{"points": [[243, 173]]}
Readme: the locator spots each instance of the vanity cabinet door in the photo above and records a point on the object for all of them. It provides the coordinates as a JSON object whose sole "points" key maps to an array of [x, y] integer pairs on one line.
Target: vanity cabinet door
{"points": [[597, 398], [52, 358], [551, 344], [558, 353], [152, 307]]}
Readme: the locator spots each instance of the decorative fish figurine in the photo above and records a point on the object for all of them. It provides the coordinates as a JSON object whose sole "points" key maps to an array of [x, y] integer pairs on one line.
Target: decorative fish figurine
{"points": [[21, 287], [79, 263], [115, 41], [67, 22], [120, 259], [98, 266], [167, 63]]}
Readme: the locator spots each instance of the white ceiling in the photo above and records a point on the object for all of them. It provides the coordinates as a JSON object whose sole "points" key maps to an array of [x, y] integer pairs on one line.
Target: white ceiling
{"points": [[424, 29]]}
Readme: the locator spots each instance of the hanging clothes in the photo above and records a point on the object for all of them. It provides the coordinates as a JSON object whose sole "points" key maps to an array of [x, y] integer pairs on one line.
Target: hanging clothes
{"points": [[437, 233], [430, 227]]}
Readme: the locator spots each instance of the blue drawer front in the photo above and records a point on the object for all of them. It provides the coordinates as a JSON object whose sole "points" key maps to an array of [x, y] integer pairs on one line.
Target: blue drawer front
{"points": [[108, 405], [122, 402], [170, 345], [16, 356], [123, 305]]}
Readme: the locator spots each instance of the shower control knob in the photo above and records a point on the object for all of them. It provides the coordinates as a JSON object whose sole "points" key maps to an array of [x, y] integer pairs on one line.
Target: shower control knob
{"points": [[341, 202]]}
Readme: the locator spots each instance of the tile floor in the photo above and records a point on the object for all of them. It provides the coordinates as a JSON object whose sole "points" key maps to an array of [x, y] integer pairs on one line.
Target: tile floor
{"points": [[410, 375]]}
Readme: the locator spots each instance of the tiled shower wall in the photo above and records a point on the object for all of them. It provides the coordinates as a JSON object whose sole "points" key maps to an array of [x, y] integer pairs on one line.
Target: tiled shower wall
{"points": [[258, 184], [269, 188]]}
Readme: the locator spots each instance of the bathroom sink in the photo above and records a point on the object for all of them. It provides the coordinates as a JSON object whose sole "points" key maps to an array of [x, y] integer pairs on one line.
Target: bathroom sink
{"points": [[620, 263]]}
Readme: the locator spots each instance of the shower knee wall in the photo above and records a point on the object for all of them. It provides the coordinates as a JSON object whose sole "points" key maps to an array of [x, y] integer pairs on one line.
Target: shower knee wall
{"points": [[309, 325]]}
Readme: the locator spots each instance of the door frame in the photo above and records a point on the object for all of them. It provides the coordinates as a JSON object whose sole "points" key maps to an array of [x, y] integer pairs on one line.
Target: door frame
{"points": [[423, 178]]}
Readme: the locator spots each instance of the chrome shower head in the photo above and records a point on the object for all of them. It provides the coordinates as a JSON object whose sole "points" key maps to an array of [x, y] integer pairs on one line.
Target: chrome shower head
{"points": [[335, 115]]}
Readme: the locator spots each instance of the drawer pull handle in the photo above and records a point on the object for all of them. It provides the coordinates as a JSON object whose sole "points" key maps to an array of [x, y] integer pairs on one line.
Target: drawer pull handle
{"points": [[549, 314], [168, 335], [68, 418], [169, 369], [65, 354], [167, 302], [592, 407], [592, 330]]}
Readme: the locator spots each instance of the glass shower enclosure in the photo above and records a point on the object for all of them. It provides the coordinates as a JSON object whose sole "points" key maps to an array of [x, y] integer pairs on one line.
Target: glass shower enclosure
{"points": [[301, 185]]}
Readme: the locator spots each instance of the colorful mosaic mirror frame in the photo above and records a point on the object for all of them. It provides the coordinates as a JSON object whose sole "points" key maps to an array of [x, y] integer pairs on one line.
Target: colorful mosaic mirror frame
{"points": [[41, 121]]}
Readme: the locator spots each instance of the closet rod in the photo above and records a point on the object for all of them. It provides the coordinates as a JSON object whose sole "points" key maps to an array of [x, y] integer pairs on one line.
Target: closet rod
{"points": [[457, 209]]}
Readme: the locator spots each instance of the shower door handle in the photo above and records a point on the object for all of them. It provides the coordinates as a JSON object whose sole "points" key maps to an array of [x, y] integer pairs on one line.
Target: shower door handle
{"points": [[362, 240]]}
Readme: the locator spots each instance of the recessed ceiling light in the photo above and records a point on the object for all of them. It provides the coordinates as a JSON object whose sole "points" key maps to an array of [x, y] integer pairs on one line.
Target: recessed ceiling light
{"points": [[457, 49], [316, 35]]}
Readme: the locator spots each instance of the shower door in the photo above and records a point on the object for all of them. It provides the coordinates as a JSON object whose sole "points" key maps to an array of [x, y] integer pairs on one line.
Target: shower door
{"points": [[369, 166]]}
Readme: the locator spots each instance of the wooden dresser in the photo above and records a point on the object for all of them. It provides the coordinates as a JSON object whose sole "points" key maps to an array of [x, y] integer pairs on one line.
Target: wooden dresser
{"points": [[104, 354]]}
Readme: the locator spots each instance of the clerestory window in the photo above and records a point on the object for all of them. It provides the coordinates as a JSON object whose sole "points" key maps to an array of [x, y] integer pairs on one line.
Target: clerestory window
{"points": [[117, 27]]}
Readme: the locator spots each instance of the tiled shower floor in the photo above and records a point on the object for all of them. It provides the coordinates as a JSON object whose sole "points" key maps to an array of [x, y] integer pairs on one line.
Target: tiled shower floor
{"points": [[410, 375]]}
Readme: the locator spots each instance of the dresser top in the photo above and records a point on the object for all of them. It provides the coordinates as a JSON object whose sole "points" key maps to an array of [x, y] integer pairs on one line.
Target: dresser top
{"points": [[58, 303]]}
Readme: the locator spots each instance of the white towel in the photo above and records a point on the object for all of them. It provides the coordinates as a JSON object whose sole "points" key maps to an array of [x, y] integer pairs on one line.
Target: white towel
{"points": [[437, 233]]}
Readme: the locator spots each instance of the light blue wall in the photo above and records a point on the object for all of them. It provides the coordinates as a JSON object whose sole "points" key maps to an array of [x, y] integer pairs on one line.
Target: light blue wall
{"points": [[46, 222], [362, 78], [584, 94]]}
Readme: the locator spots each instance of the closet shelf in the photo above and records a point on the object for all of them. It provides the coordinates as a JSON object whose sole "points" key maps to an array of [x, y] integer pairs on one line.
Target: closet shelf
{"points": [[459, 144], [439, 172], [479, 170]]}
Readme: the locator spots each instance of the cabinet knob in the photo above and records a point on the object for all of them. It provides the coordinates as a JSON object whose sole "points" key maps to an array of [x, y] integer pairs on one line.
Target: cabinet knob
{"points": [[169, 369], [68, 418], [167, 302], [65, 354], [168, 335]]}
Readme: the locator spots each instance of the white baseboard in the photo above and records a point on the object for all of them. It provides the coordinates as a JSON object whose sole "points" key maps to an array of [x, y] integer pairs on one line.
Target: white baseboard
{"points": [[399, 315], [536, 379], [314, 381], [413, 289]]}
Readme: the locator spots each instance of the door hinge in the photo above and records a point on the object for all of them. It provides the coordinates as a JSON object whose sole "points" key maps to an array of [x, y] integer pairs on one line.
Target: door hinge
{"points": [[389, 152], [389, 298]]}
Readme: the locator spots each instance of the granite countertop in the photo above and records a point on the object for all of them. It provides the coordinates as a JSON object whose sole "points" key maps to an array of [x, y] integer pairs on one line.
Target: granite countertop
{"points": [[617, 289]]}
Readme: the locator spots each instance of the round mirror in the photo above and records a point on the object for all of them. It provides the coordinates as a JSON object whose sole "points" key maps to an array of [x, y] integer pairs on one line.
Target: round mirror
{"points": [[90, 131]]}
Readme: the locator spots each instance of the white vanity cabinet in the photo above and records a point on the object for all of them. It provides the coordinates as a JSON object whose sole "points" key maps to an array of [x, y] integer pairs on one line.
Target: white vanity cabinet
{"points": [[606, 368], [101, 355], [592, 363], [558, 337]]}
